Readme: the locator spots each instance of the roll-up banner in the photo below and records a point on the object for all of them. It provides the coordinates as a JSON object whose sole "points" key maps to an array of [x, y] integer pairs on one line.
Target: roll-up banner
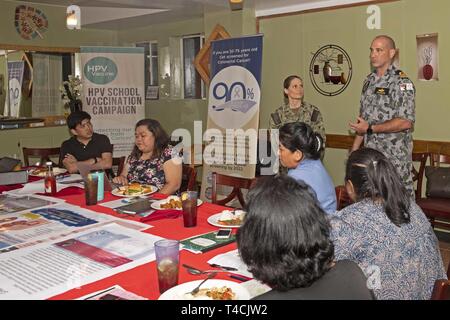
{"points": [[113, 87]]}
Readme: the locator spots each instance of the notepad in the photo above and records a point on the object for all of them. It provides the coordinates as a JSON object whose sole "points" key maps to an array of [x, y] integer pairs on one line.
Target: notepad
{"points": [[136, 207], [205, 242]]}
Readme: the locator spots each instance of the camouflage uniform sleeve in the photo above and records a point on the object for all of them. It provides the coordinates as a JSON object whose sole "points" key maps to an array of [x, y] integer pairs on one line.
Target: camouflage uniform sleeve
{"points": [[275, 121], [317, 123], [405, 101]]}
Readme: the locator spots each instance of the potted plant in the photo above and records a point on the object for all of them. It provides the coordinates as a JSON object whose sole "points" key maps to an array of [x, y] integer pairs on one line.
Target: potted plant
{"points": [[71, 93]]}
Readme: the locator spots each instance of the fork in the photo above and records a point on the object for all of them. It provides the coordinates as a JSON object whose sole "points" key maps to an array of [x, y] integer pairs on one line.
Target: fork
{"points": [[196, 289]]}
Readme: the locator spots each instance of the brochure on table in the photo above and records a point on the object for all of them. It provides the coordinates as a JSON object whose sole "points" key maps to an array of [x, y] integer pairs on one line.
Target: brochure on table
{"points": [[76, 260]]}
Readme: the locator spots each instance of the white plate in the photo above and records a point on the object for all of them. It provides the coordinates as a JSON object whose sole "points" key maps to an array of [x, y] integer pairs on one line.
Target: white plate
{"points": [[179, 292], [117, 192], [157, 204], [42, 173], [214, 220]]}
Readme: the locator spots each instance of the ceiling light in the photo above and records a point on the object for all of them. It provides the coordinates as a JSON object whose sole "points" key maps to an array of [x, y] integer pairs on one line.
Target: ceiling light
{"points": [[236, 5], [73, 17]]}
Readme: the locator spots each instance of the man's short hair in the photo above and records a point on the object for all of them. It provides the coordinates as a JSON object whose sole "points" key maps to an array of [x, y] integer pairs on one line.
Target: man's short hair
{"points": [[76, 117], [390, 41]]}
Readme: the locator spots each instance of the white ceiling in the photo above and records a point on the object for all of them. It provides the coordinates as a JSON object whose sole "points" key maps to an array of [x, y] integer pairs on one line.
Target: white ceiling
{"points": [[118, 14]]}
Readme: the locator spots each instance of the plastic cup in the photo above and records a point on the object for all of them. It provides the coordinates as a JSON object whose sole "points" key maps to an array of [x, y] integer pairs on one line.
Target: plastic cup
{"points": [[90, 189], [167, 263], [189, 204], [101, 183]]}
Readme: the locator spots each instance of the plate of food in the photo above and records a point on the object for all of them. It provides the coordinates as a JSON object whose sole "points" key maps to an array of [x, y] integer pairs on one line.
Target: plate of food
{"points": [[134, 190], [41, 171], [227, 218], [211, 290], [171, 202]]}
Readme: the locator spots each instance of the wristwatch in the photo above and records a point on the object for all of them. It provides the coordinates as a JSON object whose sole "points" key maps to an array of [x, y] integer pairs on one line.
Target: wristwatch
{"points": [[369, 130]]}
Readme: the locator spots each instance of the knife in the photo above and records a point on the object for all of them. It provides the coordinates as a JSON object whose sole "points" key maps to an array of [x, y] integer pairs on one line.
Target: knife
{"points": [[223, 267]]}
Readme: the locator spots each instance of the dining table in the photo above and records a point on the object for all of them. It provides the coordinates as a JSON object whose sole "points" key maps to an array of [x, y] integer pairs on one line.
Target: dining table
{"points": [[143, 280]]}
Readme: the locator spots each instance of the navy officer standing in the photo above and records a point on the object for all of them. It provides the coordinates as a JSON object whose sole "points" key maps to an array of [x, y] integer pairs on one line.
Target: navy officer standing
{"points": [[387, 110]]}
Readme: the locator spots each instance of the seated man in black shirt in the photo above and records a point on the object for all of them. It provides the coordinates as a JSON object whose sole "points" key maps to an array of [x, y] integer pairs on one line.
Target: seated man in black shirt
{"points": [[85, 146]]}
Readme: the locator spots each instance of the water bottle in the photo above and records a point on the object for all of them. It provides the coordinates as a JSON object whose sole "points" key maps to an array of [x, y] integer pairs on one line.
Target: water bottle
{"points": [[50, 180]]}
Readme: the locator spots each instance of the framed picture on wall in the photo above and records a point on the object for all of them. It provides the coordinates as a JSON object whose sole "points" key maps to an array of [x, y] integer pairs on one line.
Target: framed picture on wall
{"points": [[152, 93]]}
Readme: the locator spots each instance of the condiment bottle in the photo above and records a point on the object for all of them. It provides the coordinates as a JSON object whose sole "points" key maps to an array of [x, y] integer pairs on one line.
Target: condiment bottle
{"points": [[50, 180]]}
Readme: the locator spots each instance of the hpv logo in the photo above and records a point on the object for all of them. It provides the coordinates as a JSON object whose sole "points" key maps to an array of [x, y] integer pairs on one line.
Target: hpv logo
{"points": [[95, 69], [100, 70]]}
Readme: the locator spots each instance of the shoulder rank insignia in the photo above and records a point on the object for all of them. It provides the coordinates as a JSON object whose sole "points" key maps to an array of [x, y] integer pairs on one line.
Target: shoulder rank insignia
{"points": [[382, 91], [401, 74]]}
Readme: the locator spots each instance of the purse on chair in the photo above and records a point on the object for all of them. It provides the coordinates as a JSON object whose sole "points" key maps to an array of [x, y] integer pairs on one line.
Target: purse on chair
{"points": [[438, 182]]}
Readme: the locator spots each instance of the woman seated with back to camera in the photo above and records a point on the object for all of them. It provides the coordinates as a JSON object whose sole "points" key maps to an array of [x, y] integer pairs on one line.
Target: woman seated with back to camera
{"points": [[153, 161], [285, 243], [385, 232], [299, 151]]}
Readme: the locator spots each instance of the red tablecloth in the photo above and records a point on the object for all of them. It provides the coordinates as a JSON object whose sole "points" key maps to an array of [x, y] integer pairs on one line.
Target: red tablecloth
{"points": [[142, 280]]}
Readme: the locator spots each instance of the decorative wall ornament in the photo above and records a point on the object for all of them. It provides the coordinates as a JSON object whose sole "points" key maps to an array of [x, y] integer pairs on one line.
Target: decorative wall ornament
{"points": [[201, 61], [330, 70], [427, 57], [30, 22]]}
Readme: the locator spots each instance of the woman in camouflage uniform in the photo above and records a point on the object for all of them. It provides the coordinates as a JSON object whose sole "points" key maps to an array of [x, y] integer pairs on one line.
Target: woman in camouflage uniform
{"points": [[296, 109]]}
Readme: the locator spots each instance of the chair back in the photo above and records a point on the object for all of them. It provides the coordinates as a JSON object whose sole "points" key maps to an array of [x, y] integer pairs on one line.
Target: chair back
{"points": [[118, 162], [342, 197], [43, 154], [436, 159], [417, 175], [437, 209], [441, 290], [235, 182], [188, 179]]}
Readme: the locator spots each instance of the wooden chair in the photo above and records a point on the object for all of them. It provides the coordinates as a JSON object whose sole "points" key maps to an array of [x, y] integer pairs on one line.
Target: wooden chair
{"points": [[188, 179], [43, 154], [448, 270], [417, 175], [342, 197], [441, 290], [436, 208], [118, 162], [235, 182]]}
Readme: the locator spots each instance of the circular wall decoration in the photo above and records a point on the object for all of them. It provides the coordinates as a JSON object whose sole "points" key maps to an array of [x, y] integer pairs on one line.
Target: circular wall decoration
{"points": [[330, 70], [30, 22]]}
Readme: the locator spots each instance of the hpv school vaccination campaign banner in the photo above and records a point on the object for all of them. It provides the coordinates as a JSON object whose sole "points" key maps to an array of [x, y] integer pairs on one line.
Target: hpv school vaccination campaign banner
{"points": [[113, 92], [233, 109]]}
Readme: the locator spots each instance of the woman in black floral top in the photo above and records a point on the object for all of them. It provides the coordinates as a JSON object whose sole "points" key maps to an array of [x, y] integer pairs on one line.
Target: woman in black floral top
{"points": [[153, 161]]}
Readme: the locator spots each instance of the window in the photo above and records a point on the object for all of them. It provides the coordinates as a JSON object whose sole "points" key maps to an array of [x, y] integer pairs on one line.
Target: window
{"points": [[151, 65], [193, 85]]}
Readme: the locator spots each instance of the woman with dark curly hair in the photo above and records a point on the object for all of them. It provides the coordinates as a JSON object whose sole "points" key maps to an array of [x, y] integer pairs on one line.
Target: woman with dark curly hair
{"points": [[153, 161], [385, 232], [285, 243], [299, 151]]}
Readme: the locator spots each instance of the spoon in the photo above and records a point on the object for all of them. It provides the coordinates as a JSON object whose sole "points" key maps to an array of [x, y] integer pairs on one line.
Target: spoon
{"points": [[196, 289]]}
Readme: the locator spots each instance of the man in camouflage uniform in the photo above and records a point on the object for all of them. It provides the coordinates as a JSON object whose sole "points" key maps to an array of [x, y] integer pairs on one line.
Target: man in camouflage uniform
{"points": [[387, 110]]}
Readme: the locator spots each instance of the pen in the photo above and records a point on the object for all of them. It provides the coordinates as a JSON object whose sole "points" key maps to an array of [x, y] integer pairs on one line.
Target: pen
{"points": [[240, 278], [223, 267]]}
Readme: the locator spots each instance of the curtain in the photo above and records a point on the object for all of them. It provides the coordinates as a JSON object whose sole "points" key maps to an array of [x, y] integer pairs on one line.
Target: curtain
{"points": [[47, 78]]}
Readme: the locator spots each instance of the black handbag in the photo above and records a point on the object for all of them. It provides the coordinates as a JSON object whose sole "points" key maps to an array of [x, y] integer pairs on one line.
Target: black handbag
{"points": [[438, 182]]}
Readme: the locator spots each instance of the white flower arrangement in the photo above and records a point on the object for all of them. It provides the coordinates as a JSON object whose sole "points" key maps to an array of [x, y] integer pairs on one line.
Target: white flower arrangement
{"points": [[71, 92]]}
